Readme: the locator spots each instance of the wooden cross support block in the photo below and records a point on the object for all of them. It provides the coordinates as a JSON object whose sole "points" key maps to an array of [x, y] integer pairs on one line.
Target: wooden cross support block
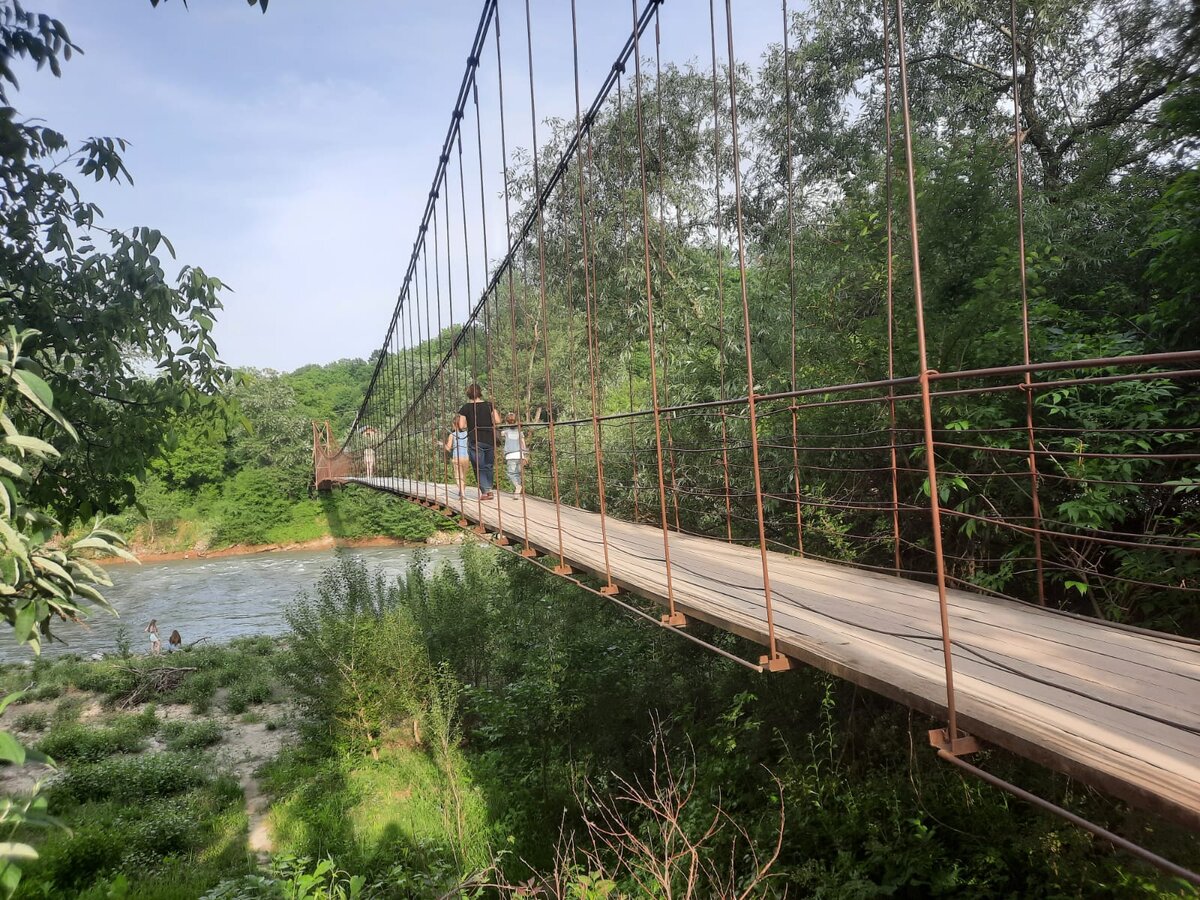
{"points": [[776, 663], [959, 746]]}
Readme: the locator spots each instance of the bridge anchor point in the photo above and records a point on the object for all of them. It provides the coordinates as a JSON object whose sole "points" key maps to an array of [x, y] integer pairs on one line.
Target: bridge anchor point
{"points": [[675, 620], [776, 663], [959, 746]]}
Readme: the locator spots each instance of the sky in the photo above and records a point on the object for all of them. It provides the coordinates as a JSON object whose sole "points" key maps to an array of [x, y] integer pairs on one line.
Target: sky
{"points": [[290, 153]]}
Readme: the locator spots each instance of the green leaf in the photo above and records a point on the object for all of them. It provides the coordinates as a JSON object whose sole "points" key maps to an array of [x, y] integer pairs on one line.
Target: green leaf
{"points": [[11, 749], [92, 543], [35, 389], [53, 568], [86, 590], [51, 588], [26, 621], [10, 850], [31, 444]]}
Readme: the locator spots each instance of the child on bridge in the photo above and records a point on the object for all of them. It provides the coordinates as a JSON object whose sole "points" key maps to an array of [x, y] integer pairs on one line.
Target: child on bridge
{"points": [[516, 454]]}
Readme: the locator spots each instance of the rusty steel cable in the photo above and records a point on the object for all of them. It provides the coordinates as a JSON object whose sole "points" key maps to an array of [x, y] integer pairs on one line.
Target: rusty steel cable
{"points": [[891, 277], [673, 615], [787, 106], [1116, 840], [593, 347], [527, 550], [563, 568], [923, 362], [664, 321], [481, 30], [1020, 184], [720, 246], [774, 657]]}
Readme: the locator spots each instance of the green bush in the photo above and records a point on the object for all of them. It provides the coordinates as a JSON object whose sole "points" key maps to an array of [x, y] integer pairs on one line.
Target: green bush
{"points": [[131, 778], [32, 721], [67, 711], [44, 692], [247, 693], [355, 615], [104, 678], [90, 850], [197, 690], [252, 505], [253, 645], [191, 735], [157, 847], [80, 743]]}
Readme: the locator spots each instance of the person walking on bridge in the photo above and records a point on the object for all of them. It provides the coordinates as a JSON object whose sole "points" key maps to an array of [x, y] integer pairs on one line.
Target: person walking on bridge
{"points": [[458, 446], [479, 419], [516, 454]]}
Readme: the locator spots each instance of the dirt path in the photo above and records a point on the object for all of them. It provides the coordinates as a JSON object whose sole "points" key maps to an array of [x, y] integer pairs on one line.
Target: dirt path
{"points": [[243, 749]]}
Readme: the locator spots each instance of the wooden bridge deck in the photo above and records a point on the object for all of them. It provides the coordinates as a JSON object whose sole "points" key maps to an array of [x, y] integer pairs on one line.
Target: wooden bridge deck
{"points": [[1115, 708]]}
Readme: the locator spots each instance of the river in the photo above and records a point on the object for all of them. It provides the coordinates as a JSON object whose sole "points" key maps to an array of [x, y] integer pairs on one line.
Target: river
{"points": [[217, 599]]}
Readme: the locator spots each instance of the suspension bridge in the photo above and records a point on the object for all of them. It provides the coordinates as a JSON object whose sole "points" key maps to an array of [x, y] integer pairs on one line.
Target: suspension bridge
{"points": [[912, 532]]}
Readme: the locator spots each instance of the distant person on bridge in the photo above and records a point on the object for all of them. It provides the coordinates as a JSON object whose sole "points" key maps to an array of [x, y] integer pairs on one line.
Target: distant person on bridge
{"points": [[516, 454], [369, 454], [479, 419], [458, 447]]}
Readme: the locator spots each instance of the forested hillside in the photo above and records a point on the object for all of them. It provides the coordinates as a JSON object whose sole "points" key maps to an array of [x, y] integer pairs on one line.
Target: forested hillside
{"points": [[239, 470]]}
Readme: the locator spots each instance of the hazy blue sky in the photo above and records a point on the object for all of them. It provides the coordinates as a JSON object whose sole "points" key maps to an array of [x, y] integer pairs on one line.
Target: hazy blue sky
{"points": [[290, 153]]}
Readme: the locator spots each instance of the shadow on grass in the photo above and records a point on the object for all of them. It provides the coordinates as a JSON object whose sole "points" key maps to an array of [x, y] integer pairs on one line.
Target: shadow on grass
{"points": [[333, 514], [398, 819]]}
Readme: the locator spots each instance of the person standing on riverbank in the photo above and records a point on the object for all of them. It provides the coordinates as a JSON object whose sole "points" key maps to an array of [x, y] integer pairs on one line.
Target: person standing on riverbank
{"points": [[479, 419], [155, 643]]}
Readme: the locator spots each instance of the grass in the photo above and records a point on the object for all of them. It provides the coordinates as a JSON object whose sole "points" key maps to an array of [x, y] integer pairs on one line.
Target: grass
{"points": [[164, 823], [74, 742], [245, 668], [369, 814], [191, 735], [152, 825]]}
